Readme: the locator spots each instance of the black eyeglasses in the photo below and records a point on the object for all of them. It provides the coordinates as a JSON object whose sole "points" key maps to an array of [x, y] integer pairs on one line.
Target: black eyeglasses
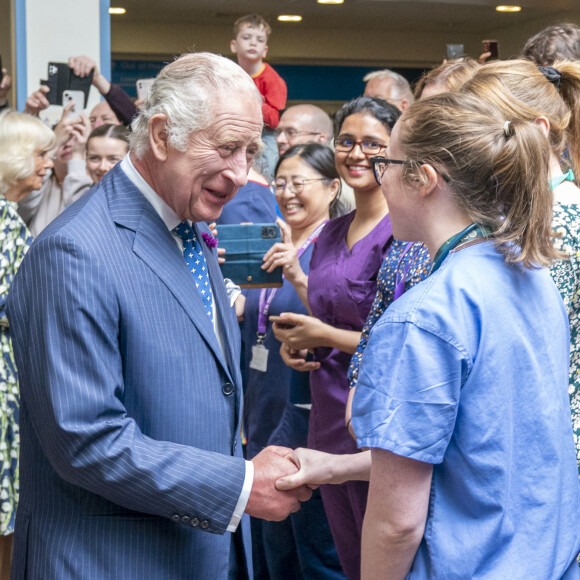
{"points": [[380, 165], [346, 144], [291, 133], [295, 184]]}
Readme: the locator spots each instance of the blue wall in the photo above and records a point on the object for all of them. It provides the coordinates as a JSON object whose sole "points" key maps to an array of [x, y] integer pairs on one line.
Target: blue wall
{"points": [[305, 82]]}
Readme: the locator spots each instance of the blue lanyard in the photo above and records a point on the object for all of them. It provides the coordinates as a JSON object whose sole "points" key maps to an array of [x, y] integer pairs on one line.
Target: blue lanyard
{"points": [[471, 232]]}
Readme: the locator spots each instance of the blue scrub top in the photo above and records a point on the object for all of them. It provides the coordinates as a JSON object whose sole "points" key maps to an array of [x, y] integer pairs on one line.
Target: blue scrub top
{"points": [[469, 371]]}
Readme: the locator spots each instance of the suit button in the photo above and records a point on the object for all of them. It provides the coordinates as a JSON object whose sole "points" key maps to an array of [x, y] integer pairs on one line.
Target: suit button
{"points": [[176, 518], [204, 524], [185, 519], [195, 522], [227, 389], [234, 446]]}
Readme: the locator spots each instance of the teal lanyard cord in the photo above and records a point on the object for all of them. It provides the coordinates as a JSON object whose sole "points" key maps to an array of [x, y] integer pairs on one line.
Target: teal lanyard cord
{"points": [[471, 232], [555, 181]]}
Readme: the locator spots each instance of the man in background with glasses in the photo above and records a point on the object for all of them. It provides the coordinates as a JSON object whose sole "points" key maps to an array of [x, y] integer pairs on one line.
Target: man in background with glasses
{"points": [[303, 124]]}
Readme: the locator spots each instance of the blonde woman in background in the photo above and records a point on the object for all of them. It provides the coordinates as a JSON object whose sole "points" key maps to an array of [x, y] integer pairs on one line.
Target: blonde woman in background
{"points": [[25, 143]]}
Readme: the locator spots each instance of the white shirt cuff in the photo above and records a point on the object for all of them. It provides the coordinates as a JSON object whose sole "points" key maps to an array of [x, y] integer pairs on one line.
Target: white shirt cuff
{"points": [[243, 499]]}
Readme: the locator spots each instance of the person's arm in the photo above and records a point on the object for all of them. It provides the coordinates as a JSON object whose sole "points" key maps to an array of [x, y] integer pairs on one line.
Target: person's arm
{"points": [[317, 468], [67, 307], [77, 182], [396, 513], [275, 92], [121, 103], [299, 331]]}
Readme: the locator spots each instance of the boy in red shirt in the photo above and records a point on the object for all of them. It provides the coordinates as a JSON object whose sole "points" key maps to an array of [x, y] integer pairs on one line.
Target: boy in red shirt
{"points": [[250, 45]]}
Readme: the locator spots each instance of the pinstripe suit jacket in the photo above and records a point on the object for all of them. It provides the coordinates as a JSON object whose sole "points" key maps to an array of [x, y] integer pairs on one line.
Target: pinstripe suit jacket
{"points": [[130, 467]]}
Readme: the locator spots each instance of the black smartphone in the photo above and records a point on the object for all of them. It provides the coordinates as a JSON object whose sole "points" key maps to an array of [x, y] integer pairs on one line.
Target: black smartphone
{"points": [[61, 78], [491, 46]]}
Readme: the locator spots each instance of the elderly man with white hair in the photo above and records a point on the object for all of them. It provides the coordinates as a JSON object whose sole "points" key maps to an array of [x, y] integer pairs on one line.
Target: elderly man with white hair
{"points": [[390, 86], [128, 352]]}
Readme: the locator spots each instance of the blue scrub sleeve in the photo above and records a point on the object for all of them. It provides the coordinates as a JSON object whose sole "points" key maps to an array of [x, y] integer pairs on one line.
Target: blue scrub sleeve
{"points": [[408, 391]]}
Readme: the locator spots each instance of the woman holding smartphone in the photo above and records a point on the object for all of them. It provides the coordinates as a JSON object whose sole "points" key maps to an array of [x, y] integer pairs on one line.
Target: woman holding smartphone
{"points": [[277, 398]]}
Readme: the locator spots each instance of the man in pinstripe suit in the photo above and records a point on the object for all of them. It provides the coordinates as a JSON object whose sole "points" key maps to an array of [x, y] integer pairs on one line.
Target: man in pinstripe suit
{"points": [[130, 388]]}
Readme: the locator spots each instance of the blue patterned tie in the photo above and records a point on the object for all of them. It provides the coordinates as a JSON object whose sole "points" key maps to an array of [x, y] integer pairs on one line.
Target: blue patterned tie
{"points": [[196, 263]]}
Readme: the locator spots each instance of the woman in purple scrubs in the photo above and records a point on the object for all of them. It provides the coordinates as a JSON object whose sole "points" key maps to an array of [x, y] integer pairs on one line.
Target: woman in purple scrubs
{"points": [[338, 292]]}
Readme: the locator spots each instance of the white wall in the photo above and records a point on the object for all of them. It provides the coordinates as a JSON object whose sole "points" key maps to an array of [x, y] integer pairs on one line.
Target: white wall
{"points": [[56, 30]]}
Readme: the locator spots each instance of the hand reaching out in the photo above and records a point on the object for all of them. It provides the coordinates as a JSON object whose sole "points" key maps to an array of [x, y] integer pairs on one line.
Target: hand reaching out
{"points": [[265, 500], [317, 468]]}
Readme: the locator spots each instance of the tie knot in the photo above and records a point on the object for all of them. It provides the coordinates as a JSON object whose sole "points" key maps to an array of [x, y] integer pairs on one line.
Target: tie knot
{"points": [[184, 231]]}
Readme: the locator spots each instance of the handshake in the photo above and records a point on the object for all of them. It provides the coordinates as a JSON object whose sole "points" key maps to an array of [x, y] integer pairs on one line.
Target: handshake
{"points": [[284, 478], [266, 501]]}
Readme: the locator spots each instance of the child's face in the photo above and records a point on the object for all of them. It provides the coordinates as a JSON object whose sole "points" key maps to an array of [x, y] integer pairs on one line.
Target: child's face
{"points": [[251, 43]]}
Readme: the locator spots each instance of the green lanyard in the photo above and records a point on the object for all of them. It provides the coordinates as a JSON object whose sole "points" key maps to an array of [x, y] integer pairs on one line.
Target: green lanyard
{"points": [[471, 232], [555, 181]]}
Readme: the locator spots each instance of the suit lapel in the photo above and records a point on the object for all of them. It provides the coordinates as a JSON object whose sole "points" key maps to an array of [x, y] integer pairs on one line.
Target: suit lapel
{"points": [[222, 302], [155, 245]]}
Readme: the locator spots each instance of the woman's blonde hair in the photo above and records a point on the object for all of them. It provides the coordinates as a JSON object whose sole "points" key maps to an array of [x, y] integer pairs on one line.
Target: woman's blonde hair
{"points": [[522, 91], [496, 168], [20, 137], [452, 75]]}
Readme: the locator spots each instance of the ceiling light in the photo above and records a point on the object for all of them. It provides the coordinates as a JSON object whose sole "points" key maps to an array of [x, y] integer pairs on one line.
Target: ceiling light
{"points": [[330, 1], [117, 10], [508, 8], [289, 18]]}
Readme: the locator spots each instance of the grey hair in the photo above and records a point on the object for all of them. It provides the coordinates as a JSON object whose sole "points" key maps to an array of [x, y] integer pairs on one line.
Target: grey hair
{"points": [[401, 87], [21, 136], [184, 91]]}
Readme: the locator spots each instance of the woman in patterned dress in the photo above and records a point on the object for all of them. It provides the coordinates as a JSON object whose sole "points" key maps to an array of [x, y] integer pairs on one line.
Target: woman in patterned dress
{"points": [[551, 97], [24, 159]]}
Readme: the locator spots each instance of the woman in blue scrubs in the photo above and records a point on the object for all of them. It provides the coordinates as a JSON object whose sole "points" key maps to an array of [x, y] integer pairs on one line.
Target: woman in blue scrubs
{"points": [[462, 394]]}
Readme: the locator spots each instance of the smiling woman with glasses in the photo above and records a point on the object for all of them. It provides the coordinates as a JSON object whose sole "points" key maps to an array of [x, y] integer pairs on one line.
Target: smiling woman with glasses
{"points": [[295, 184], [339, 291]]}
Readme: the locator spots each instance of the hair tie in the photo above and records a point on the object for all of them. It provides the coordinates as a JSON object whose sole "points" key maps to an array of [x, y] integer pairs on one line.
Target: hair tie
{"points": [[506, 129], [552, 74]]}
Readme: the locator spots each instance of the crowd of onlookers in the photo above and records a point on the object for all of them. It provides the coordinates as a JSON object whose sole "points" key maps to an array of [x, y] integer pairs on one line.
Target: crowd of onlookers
{"points": [[326, 182]]}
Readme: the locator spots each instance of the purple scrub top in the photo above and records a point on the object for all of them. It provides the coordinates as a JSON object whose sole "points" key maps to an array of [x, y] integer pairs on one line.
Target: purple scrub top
{"points": [[342, 284]]}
